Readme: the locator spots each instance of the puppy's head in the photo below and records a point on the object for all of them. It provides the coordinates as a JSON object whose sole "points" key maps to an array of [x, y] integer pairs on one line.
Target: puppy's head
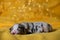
{"points": [[17, 29]]}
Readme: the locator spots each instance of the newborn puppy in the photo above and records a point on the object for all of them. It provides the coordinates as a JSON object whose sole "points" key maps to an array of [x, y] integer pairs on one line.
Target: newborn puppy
{"points": [[30, 27]]}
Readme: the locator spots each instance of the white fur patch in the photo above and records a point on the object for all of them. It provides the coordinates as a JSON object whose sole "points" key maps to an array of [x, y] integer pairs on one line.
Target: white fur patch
{"points": [[14, 29]]}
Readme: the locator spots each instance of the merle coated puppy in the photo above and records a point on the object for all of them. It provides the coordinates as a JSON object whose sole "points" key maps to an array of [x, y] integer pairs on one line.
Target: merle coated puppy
{"points": [[30, 27]]}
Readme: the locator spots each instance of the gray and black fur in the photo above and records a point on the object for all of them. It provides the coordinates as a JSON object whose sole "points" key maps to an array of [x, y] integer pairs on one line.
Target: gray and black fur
{"points": [[32, 27]]}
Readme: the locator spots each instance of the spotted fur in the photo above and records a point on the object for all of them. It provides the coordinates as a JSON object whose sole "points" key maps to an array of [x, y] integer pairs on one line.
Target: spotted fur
{"points": [[31, 27]]}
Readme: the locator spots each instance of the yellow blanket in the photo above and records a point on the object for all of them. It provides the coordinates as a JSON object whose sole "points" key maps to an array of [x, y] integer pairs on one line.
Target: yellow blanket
{"points": [[5, 35], [16, 11]]}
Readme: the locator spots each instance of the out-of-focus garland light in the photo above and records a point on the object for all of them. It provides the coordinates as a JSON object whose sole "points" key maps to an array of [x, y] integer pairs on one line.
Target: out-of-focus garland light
{"points": [[32, 4], [48, 11]]}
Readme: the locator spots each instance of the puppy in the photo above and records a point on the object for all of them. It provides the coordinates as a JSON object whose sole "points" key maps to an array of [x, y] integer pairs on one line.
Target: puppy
{"points": [[30, 27]]}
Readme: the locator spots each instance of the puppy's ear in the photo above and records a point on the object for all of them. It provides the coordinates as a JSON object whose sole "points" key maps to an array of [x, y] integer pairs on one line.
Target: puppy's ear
{"points": [[10, 29]]}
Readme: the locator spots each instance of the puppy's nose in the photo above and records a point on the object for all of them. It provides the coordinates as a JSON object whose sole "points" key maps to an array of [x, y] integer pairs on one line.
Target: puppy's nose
{"points": [[13, 33]]}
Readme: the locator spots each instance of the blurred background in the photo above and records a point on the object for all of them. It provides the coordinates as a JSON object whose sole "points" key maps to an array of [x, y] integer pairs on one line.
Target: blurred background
{"points": [[17, 11]]}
